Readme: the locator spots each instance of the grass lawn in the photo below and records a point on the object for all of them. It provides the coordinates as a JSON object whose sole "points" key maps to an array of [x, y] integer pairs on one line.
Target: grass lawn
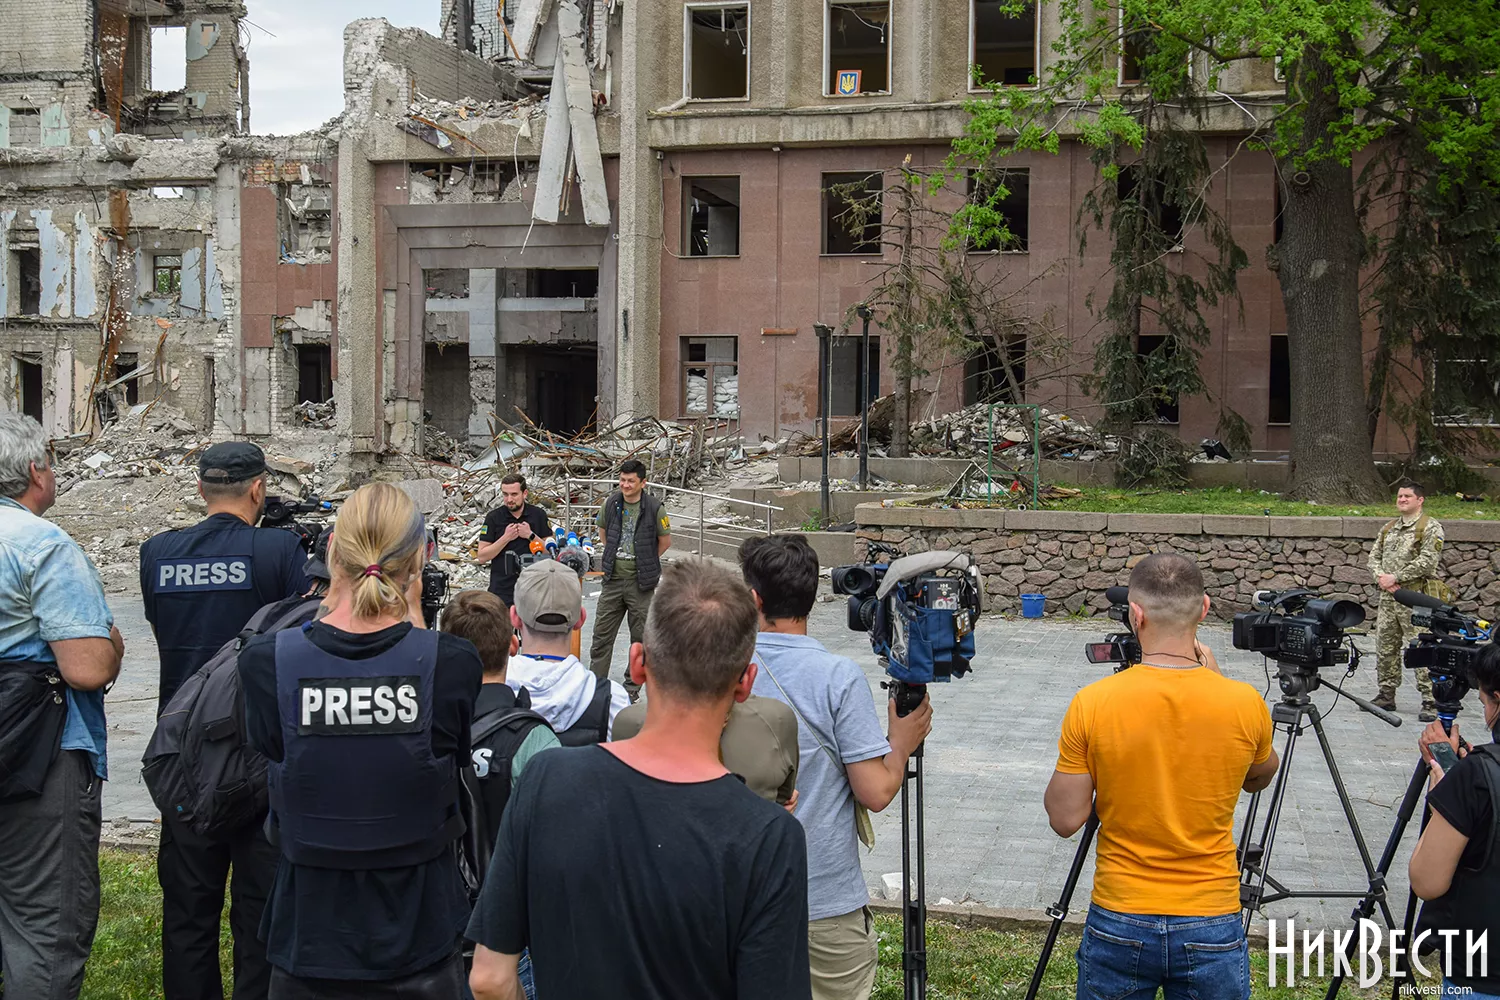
{"points": [[963, 964], [1228, 500]]}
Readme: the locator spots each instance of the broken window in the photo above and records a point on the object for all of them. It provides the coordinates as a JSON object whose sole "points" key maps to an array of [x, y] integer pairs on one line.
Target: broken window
{"points": [[990, 377], [463, 183], [446, 282], [314, 373], [851, 213], [168, 59], [1157, 352], [1466, 392], [1014, 210], [28, 376], [846, 370], [711, 214], [25, 127], [1164, 216], [306, 217], [128, 388], [718, 53], [166, 274], [858, 48], [25, 273], [562, 283], [1005, 45], [710, 376], [1280, 409], [1137, 45]]}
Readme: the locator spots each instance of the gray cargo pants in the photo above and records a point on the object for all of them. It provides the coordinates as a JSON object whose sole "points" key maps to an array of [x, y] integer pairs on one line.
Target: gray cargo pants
{"points": [[49, 882]]}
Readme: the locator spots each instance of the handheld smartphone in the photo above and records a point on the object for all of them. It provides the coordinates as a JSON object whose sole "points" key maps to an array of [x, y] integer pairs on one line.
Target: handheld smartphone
{"points": [[1444, 755]]}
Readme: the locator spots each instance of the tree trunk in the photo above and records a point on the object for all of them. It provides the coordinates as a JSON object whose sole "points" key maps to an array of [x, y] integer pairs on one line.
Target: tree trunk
{"points": [[905, 320], [1320, 254]]}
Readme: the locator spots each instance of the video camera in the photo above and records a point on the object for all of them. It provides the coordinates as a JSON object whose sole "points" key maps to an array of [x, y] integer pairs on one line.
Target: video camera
{"points": [[434, 582], [1298, 627], [920, 612], [1447, 650], [281, 512], [1120, 648]]}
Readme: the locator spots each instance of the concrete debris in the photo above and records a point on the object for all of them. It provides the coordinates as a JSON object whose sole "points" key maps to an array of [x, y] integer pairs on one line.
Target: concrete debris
{"points": [[314, 414], [289, 466], [98, 460], [427, 494], [471, 109]]}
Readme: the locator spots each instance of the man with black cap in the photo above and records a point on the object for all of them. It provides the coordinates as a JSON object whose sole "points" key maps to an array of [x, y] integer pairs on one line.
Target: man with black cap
{"points": [[200, 585]]}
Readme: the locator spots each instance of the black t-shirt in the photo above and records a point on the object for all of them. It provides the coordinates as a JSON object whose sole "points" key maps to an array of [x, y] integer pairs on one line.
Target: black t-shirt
{"points": [[197, 596], [1463, 799], [495, 523], [629, 887], [323, 923]]}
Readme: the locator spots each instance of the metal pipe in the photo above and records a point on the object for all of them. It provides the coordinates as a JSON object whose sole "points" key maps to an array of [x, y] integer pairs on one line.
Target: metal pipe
{"points": [[864, 397], [825, 341], [700, 524]]}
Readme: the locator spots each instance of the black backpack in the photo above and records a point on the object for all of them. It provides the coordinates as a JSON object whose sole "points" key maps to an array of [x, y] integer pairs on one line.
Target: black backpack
{"points": [[501, 732], [33, 708], [198, 766]]}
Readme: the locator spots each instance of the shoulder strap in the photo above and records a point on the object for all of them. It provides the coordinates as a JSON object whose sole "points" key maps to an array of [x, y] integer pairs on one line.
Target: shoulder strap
{"points": [[1386, 530], [761, 664], [599, 706], [490, 723], [1491, 769]]}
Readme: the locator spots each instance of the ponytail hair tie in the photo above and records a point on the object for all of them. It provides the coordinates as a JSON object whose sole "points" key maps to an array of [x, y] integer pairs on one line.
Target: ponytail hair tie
{"points": [[372, 570]]}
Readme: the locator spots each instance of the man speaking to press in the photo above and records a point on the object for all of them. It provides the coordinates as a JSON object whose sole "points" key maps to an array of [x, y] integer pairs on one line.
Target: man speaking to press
{"points": [[1162, 750]]}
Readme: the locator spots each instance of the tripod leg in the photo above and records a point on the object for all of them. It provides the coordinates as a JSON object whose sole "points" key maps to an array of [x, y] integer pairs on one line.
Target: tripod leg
{"points": [[1377, 878], [1366, 905], [913, 905], [1059, 911], [1257, 858]]}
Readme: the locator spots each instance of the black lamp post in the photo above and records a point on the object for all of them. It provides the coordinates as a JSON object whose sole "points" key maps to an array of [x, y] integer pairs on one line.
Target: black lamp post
{"points": [[825, 346], [863, 311]]}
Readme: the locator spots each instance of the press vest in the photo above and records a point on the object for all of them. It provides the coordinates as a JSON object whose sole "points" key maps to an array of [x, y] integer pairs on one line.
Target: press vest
{"points": [[202, 584], [593, 725], [647, 559], [358, 786], [1472, 902]]}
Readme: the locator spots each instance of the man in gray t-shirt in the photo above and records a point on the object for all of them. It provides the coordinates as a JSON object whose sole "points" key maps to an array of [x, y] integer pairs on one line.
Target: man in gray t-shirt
{"points": [[836, 717]]}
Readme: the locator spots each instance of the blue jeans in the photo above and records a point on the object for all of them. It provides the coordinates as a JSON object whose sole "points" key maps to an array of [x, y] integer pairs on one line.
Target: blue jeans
{"points": [[523, 972], [1450, 991], [1126, 956]]}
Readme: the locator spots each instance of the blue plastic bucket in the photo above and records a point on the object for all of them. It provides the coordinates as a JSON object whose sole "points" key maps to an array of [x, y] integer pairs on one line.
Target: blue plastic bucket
{"points": [[1032, 605]]}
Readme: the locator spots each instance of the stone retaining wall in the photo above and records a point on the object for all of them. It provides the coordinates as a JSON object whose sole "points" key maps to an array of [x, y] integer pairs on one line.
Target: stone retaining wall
{"points": [[1074, 557]]}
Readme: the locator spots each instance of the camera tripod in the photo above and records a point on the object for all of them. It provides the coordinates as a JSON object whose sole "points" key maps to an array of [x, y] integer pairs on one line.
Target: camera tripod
{"points": [[913, 890], [1291, 714], [1447, 711]]}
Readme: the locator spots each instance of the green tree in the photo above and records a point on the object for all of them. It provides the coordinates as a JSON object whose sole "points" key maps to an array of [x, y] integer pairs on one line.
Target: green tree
{"points": [[1410, 85]]}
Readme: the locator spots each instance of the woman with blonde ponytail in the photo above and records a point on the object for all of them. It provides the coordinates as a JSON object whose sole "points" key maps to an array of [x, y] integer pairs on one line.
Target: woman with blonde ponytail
{"points": [[364, 719]]}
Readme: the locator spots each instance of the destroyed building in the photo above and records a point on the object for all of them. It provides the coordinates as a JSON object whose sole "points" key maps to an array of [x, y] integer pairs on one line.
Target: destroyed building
{"points": [[560, 211]]}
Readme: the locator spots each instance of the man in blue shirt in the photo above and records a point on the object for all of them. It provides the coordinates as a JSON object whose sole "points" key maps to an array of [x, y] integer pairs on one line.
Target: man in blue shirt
{"points": [[55, 614]]}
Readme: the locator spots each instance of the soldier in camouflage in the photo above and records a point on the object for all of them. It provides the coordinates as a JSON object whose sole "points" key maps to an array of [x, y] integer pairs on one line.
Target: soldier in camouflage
{"points": [[1406, 555]]}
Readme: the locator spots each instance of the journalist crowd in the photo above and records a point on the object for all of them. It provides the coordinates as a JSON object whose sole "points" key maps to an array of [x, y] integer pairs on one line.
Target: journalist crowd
{"points": [[404, 808]]}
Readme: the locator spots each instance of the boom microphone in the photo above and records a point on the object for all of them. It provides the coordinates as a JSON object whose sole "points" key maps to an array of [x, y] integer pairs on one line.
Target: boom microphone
{"points": [[1417, 599], [1117, 595]]}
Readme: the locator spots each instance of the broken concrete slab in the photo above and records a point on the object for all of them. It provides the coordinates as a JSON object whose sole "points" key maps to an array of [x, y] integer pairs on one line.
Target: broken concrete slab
{"points": [[427, 494], [530, 16], [552, 167], [289, 466], [587, 162]]}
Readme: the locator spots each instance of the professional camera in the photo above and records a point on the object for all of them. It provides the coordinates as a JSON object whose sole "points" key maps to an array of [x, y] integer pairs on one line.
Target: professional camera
{"points": [[1298, 627], [281, 512], [1120, 648], [434, 582], [1446, 650], [920, 612]]}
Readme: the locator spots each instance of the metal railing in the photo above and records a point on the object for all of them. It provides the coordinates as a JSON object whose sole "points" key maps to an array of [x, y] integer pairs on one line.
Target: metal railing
{"points": [[666, 492]]}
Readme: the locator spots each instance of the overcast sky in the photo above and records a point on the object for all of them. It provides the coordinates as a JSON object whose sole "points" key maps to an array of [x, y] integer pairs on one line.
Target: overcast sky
{"points": [[297, 77]]}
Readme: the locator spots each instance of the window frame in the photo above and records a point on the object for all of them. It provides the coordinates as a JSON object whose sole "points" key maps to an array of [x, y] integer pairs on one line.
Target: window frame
{"points": [[1176, 401], [1036, 48], [685, 236], [684, 366], [824, 220], [870, 372], [1452, 420], [1269, 359], [687, 49], [1025, 247], [1120, 82], [890, 46], [156, 269]]}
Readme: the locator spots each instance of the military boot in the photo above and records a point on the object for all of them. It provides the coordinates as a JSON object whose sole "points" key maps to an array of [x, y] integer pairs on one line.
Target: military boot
{"points": [[1386, 699], [1428, 712]]}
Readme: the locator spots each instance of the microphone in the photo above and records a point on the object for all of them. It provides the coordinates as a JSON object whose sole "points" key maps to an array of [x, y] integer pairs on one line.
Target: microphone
{"points": [[1417, 599], [1117, 595]]}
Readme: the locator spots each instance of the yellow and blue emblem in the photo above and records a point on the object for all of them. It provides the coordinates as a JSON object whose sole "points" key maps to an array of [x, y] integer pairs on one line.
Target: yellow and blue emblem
{"points": [[848, 82]]}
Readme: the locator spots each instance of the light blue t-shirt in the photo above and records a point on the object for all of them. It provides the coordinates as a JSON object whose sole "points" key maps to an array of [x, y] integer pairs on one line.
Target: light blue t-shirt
{"points": [[835, 707], [53, 593]]}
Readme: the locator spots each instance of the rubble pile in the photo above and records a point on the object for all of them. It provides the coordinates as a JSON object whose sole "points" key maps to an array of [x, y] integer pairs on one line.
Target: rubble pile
{"points": [[315, 414], [437, 110]]}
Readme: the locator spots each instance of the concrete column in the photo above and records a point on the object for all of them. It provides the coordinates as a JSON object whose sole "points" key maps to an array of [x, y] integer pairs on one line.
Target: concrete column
{"points": [[638, 323], [358, 392], [483, 315]]}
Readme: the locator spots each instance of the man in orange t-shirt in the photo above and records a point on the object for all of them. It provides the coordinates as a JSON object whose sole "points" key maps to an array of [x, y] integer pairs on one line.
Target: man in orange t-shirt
{"points": [[1162, 751]]}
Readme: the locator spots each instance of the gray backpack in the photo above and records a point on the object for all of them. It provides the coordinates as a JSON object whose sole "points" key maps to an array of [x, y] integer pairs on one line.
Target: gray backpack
{"points": [[198, 766]]}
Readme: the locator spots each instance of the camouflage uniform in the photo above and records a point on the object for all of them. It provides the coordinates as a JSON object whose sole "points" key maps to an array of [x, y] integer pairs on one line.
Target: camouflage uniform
{"points": [[1395, 552]]}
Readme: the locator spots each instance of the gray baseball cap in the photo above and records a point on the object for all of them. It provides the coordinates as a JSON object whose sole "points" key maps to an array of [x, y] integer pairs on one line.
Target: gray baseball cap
{"points": [[549, 597]]}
